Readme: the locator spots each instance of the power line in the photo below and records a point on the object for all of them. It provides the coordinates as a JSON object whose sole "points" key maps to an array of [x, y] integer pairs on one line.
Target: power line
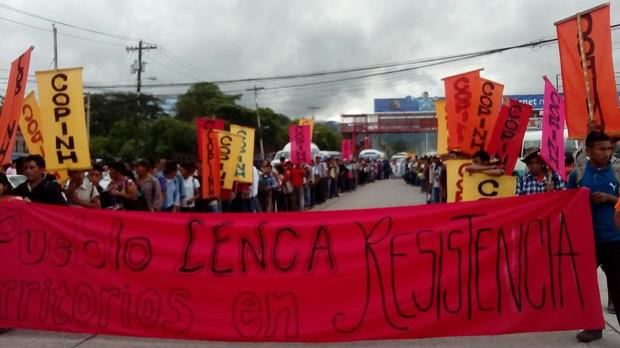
{"points": [[59, 33], [187, 64], [14, 9]]}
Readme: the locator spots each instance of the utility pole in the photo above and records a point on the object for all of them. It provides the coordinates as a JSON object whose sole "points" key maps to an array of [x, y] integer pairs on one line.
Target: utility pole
{"points": [[141, 46], [313, 108], [55, 31], [260, 129]]}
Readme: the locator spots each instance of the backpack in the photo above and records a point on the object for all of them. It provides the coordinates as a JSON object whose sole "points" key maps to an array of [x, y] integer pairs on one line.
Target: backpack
{"points": [[581, 171]]}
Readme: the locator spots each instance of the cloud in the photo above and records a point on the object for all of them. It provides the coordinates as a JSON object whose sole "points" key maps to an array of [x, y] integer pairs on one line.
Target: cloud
{"points": [[207, 40]]}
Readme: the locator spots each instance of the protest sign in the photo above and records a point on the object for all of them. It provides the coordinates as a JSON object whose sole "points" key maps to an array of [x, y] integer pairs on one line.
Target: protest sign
{"points": [[230, 148], [461, 105], [345, 150], [552, 145], [442, 127], [475, 268], [507, 138], [455, 172], [206, 123], [244, 171], [63, 122], [308, 122], [481, 186], [12, 105], [30, 126], [480, 126], [300, 138], [211, 184], [588, 79]]}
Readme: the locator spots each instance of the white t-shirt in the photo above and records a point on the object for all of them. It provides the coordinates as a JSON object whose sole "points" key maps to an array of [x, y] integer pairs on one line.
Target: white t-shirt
{"points": [[190, 185]]}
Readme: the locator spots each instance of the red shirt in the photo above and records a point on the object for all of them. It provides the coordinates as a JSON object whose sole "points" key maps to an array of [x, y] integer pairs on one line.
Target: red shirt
{"points": [[297, 177]]}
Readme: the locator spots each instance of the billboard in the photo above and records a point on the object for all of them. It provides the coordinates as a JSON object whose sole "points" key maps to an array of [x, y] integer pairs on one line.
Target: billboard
{"points": [[406, 104]]}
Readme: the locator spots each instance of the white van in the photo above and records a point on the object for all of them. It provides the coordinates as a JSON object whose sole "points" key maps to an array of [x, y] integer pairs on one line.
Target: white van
{"points": [[371, 154], [533, 138], [286, 153]]}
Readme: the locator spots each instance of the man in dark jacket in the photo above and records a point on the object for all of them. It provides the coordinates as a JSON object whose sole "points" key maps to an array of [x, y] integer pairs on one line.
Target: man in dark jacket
{"points": [[39, 187]]}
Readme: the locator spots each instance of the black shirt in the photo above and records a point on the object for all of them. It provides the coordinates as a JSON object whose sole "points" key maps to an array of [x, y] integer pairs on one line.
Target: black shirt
{"points": [[47, 191]]}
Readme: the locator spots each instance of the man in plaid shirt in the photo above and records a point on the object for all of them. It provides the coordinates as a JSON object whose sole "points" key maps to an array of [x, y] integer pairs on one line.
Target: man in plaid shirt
{"points": [[536, 179]]}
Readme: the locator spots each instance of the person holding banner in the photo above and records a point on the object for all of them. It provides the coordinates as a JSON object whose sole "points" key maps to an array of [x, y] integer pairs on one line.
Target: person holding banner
{"points": [[536, 180], [481, 163], [39, 187], [599, 176]]}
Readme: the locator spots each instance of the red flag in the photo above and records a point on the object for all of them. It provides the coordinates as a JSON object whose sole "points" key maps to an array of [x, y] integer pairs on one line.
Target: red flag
{"points": [[206, 123], [508, 134], [211, 185], [12, 107], [597, 49], [480, 126], [461, 94]]}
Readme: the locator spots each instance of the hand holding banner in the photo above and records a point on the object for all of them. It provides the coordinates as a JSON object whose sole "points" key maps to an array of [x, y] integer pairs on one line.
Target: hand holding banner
{"points": [[64, 122], [552, 145], [12, 106], [300, 139]]}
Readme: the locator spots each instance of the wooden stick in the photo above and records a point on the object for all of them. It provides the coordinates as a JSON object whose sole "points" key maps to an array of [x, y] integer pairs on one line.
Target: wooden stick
{"points": [[584, 66]]}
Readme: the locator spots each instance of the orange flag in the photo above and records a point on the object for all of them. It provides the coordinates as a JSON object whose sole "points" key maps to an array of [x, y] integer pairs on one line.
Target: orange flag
{"points": [[480, 127], [12, 108], [462, 92], [211, 185], [595, 95]]}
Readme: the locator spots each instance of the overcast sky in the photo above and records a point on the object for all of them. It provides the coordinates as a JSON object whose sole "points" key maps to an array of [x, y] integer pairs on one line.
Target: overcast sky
{"points": [[218, 40]]}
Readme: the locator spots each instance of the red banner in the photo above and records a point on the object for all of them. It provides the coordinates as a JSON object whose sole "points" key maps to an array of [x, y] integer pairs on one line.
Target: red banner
{"points": [[300, 138], [480, 126], [206, 123], [211, 183], [345, 150], [508, 135], [462, 92], [601, 82], [552, 145], [475, 268], [12, 106]]}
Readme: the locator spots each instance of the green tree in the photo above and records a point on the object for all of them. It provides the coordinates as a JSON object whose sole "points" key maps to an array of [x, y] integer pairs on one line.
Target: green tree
{"points": [[326, 138], [108, 108], [202, 99]]}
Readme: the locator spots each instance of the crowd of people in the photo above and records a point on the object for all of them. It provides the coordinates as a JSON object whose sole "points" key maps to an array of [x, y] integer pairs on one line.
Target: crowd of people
{"points": [[169, 186], [172, 187]]}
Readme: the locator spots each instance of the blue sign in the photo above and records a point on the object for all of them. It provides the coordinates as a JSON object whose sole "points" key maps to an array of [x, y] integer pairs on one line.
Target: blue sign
{"points": [[534, 100], [407, 104]]}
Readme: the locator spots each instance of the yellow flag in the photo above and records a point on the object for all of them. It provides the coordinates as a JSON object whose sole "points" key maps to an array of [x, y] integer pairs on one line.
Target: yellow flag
{"points": [[307, 122], [244, 167], [63, 122], [481, 186], [30, 126], [230, 147], [442, 127], [455, 171]]}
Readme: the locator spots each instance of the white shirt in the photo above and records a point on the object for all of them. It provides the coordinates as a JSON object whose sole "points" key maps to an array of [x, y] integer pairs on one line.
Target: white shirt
{"points": [[11, 171], [255, 179], [190, 185]]}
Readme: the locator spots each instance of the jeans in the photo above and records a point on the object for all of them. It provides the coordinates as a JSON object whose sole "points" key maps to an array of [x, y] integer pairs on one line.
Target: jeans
{"points": [[436, 195], [608, 257]]}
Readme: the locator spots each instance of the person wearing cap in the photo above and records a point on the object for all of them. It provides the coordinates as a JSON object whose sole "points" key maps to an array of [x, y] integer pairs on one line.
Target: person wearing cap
{"points": [[536, 180]]}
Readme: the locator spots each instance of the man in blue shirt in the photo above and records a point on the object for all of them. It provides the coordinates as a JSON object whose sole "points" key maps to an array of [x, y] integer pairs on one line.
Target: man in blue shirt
{"points": [[598, 175]]}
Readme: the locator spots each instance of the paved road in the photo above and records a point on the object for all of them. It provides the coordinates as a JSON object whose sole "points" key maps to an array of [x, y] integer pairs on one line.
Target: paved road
{"points": [[379, 194]]}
